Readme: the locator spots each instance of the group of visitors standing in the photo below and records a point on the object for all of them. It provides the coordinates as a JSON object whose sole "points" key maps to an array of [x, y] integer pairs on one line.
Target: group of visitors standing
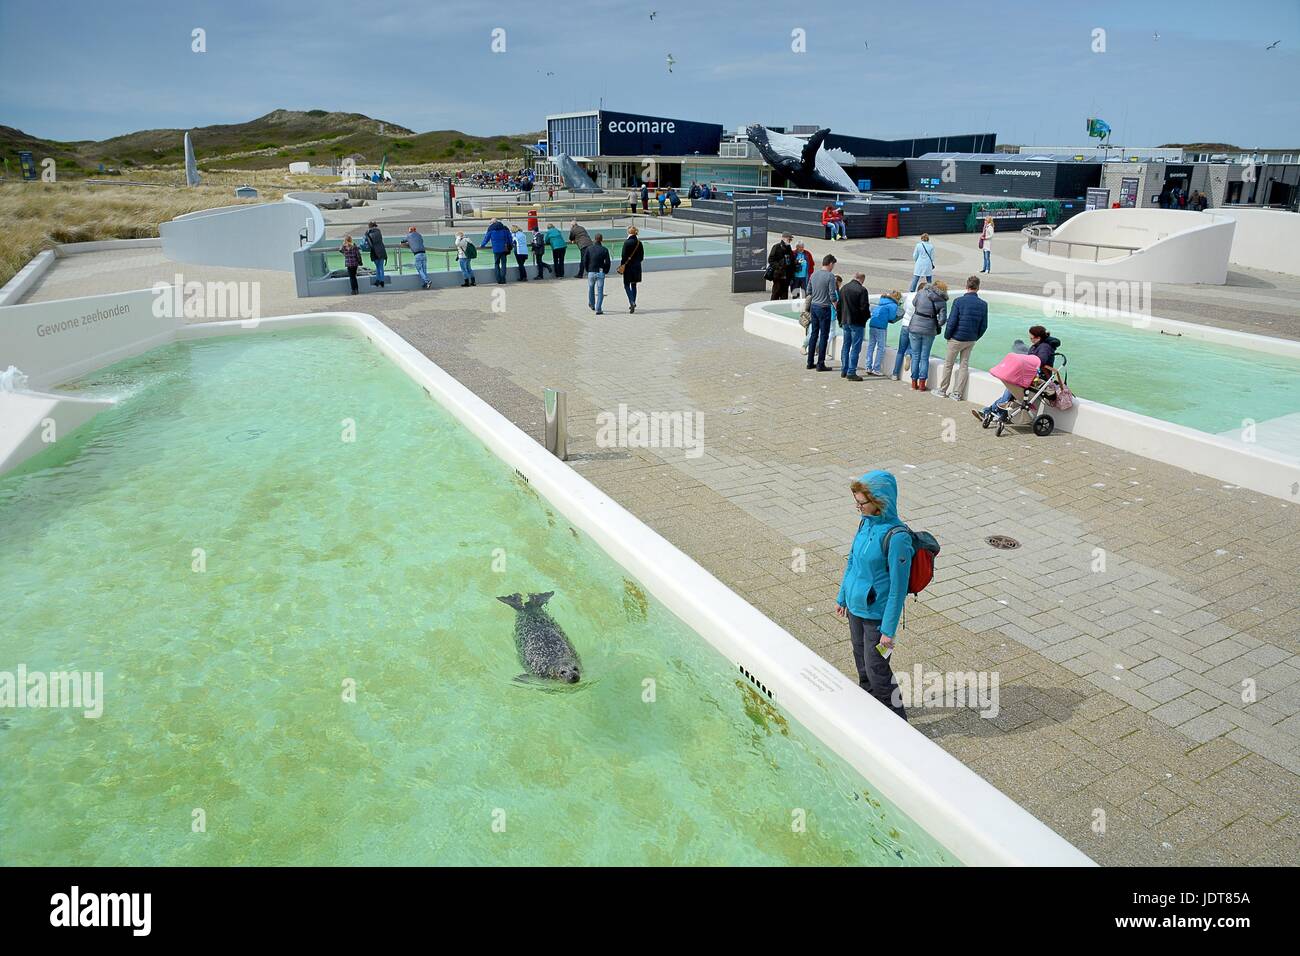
{"points": [[593, 258]]}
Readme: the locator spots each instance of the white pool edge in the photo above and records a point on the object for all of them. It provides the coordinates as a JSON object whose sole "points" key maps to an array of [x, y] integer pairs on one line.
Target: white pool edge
{"points": [[1257, 469], [974, 821]]}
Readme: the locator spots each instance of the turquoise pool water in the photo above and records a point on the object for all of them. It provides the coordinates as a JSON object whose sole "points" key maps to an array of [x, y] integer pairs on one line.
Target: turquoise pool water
{"points": [[1201, 385], [376, 561]]}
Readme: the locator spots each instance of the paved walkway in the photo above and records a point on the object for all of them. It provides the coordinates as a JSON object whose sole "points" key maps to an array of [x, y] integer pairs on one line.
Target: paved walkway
{"points": [[1123, 628]]}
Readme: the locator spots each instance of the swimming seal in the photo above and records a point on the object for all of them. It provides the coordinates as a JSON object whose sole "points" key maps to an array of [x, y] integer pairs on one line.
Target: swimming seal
{"points": [[543, 648]]}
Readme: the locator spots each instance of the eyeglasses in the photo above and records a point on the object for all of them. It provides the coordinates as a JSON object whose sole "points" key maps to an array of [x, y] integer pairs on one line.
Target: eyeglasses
{"points": [[860, 504]]}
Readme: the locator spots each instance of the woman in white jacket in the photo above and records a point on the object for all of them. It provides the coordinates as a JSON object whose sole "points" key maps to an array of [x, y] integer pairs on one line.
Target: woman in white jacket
{"points": [[986, 242]]}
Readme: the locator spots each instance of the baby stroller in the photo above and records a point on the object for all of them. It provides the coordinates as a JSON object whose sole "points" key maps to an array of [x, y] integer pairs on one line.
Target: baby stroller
{"points": [[1039, 392]]}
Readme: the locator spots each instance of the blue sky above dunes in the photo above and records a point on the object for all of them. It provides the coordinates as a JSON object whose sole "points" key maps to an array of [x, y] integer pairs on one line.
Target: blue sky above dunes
{"points": [[1025, 70]]}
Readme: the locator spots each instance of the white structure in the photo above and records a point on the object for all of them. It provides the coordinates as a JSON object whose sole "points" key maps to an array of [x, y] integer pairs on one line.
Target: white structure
{"points": [[261, 236], [1136, 245], [1264, 239], [300, 168]]}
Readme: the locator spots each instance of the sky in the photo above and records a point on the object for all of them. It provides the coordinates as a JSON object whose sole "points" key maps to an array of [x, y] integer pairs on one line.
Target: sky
{"points": [[1027, 71]]}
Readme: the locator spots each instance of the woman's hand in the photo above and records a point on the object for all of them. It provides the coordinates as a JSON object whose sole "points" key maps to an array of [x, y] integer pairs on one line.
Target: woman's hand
{"points": [[841, 610], [887, 641]]}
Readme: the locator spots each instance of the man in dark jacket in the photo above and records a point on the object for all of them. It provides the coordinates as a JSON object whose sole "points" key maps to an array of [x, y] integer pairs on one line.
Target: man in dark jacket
{"points": [[781, 261], [499, 237], [968, 320], [578, 234], [855, 308], [595, 262], [374, 240]]}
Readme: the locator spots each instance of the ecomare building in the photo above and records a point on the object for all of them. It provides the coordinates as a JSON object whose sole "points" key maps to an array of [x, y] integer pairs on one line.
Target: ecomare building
{"points": [[620, 150]]}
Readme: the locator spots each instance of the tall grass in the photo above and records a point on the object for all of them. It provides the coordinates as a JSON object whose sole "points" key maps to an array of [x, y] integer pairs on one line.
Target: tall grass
{"points": [[36, 216]]}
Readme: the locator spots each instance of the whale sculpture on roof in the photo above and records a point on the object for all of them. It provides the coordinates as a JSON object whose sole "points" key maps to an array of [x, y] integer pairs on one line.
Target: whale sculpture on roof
{"points": [[805, 163]]}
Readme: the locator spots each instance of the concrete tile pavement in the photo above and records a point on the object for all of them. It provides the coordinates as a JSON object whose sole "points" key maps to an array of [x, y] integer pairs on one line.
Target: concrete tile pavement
{"points": [[1122, 628]]}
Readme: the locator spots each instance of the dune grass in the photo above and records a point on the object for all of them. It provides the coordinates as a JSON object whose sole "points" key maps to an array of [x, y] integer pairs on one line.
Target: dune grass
{"points": [[36, 216]]}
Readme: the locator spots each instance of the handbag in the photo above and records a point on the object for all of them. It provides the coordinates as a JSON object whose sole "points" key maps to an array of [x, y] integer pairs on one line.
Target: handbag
{"points": [[805, 318]]}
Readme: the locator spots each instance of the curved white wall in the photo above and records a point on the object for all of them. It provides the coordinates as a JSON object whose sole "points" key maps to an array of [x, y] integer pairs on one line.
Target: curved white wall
{"points": [[255, 236], [1265, 239], [1173, 246]]}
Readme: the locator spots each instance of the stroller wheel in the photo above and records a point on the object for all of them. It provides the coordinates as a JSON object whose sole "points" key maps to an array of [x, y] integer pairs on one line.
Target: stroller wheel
{"points": [[987, 420], [1043, 425], [1001, 425]]}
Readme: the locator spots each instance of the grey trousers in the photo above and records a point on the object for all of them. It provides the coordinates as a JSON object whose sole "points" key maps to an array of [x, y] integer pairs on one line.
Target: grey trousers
{"points": [[874, 673]]}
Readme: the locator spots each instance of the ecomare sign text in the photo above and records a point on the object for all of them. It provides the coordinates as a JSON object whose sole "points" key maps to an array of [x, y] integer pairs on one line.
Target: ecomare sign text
{"points": [[641, 126]]}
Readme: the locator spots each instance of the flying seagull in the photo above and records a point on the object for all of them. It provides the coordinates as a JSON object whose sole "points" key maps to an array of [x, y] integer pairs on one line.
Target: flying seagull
{"points": [[671, 61], [653, 14], [1273, 44], [1155, 36]]}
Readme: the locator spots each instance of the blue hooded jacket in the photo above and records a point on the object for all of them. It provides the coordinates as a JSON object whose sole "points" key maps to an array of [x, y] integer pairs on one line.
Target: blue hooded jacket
{"points": [[499, 237], [874, 588]]}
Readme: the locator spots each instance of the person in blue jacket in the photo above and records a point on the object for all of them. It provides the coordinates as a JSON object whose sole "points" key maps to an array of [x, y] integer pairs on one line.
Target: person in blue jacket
{"points": [[875, 584], [502, 241]]}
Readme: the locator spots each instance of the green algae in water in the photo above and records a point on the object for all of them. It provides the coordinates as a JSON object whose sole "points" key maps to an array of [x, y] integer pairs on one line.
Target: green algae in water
{"points": [[370, 564]]}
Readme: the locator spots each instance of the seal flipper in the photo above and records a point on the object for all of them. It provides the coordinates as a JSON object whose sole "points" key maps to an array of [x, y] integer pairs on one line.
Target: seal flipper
{"points": [[809, 155], [537, 600], [516, 601]]}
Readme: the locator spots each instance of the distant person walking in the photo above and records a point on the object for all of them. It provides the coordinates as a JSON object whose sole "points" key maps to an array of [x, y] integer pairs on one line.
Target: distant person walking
{"points": [[780, 261], [521, 252], [629, 264], [986, 243], [883, 316], [559, 246], [415, 242], [578, 235], [874, 586], [855, 309], [968, 320], [463, 260], [374, 240], [595, 263], [645, 198], [822, 294], [351, 260], [631, 202], [537, 242], [923, 261], [930, 311], [500, 240], [674, 201]]}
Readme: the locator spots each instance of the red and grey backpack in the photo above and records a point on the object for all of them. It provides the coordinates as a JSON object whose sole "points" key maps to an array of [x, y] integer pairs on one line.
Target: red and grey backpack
{"points": [[925, 549]]}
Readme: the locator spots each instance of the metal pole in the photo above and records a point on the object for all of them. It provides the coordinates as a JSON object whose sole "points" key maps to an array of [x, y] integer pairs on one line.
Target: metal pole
{"points": [[557, 422]]}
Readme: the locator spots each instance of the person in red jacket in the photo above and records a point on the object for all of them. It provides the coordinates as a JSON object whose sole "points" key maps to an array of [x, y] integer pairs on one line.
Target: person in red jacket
{"points": [[828, 216]]}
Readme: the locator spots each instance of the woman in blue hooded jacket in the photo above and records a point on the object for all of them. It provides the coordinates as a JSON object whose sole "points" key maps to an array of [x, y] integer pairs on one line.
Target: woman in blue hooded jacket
{"points": [[875, 584]]}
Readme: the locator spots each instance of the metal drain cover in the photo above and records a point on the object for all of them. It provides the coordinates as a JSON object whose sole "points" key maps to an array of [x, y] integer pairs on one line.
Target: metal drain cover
{"points": [[1002, 542]]}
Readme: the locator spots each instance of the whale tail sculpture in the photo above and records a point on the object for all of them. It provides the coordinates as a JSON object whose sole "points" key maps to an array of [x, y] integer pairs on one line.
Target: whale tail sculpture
{"points": [[575, 178], [805, 163], [191, 167]]}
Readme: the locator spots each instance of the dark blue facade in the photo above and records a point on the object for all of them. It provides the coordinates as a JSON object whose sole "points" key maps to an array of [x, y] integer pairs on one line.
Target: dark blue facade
{"points": [[627, 134]]}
